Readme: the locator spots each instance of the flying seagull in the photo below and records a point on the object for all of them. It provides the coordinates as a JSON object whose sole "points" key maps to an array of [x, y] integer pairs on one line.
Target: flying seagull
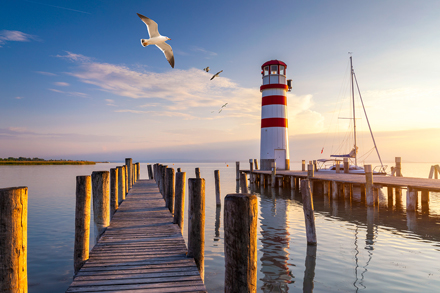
{"points": [[157, 39], [206, 69], [217, 74]]}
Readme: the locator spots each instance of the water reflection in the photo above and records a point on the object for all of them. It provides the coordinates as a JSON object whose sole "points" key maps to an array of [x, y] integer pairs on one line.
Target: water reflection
{"points": [[275, 239], [309, 272], [217, 223]]}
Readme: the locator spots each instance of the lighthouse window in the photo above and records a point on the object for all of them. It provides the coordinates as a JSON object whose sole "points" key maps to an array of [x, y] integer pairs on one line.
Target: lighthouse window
{"points": [[282, 70], [274, 69], [266, 70]]}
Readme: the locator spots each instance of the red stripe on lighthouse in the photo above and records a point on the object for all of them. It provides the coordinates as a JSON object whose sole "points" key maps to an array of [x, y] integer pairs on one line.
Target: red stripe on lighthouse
{"points": [[274, 86], [273, 122], [274, 100]]}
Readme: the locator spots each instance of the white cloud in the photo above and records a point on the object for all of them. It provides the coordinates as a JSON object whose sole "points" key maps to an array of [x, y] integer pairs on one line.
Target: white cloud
{"points": [[76, 94], [19, 98], [15, 36], [46, 73], [208, 54], [60, 83], [74, 57]]}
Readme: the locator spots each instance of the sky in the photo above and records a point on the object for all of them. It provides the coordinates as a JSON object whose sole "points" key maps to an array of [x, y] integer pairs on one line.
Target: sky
{"points": [[75, 82]]}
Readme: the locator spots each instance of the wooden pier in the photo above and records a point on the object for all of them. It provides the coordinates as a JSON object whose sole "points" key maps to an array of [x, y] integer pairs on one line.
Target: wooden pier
{"points": [[142, 250]]}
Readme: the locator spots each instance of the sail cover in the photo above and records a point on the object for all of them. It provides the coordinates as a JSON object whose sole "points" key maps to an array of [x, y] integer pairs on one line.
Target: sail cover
{"points": [[351, 154]]}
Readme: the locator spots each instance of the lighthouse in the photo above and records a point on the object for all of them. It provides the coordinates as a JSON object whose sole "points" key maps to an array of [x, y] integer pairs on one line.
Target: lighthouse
{"points": [[274, 144]]}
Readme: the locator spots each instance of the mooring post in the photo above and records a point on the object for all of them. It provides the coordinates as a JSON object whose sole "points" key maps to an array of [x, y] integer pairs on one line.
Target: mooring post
{"points": [[274, 174], [134, 174], [114, 196], [315, 166], [138, 170], [237, 171], [149, 171], [163, 180], [179, 205], [369, 192], [243, 183], [411, 199], [425, 196], [310, 171], [196, 223], [256, 164], [121, 184], [292, 182], [217, 188], [398, 166], [169, 198], [346, 166], [101, 200], [197, 170], [251, 170], [179, 170], [338, 167], [13, 239], [240, 242], [303, 165], [128, 163], [390, 193], [126, 179], [82, 221], [309, 215], [155, 172]]}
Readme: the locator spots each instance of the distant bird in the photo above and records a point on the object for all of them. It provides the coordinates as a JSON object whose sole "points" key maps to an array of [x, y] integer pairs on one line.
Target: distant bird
{"points": [[157, 39], [221, 109], [206, 69], [224, 105], [217, 74]]}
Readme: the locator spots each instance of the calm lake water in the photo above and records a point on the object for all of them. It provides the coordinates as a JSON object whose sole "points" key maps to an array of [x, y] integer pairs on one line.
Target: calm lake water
{"points": [[359, 249]]}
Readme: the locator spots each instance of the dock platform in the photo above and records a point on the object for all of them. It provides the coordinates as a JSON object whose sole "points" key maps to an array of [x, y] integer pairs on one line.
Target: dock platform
{"points": [[141, 251]]}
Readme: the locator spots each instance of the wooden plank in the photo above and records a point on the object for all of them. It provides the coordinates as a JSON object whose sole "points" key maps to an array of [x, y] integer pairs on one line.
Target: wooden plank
{"points": [[141, 250]]}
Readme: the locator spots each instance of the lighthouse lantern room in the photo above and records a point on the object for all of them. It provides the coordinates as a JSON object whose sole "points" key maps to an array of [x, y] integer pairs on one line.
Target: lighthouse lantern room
{"points": [[274, 145]]}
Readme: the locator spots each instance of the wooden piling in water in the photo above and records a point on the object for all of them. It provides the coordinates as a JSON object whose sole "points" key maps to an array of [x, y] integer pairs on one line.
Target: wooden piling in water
{"points": [[150, 172], [114, 196], [346, 166], [217, 188], [335, 190], [390, 193], [129, 164], [179, 170], [338, 167], [274, 174], [237, 171], [82, 221], [243, 183], [179, 204], [196, 222], [240, 242], [411, 199], [13, 239], [303, 165], [256, 164], [369, 192], [310, 171], [121, 184], [169, 197], [101, 200], [197, 171], [138, 171], [309, 215]]}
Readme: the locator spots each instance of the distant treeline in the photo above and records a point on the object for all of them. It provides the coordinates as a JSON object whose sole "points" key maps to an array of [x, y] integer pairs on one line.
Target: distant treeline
{"points": [[38, 161]]}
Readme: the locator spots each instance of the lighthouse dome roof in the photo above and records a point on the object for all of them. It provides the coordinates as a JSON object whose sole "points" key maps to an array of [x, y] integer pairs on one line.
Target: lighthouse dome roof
{"points": [[273, 62]]}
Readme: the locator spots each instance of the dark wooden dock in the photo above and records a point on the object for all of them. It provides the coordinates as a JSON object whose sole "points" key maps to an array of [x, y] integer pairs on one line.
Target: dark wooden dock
{"points": [[141, 251]]}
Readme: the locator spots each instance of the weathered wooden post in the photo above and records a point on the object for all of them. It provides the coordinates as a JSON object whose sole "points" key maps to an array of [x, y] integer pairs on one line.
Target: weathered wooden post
{"points": [[243, 183], [129, 164], [169, 197], [179, 170], [398, 166], [309, 272], [240, 226], [134, 174], [309, 214], [138, 171], [179, 205], [338, 167], [126, 179], [237, 171], [346, 166], [101, 200], [292, 182], [163, 180], [274, 174], [411, 199], [13, 239], [369, 192], [121, 184], [390, 193], [256, 164], [196, 223], [335, 190], [303, 165], [197, 170], [150, 173], [155, 172], [82, 221], [114, 196], [251, 170], [310, 171], [217, 187]]}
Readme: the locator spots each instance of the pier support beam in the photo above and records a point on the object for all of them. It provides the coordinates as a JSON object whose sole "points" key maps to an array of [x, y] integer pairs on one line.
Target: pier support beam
{"points": [[196, 223], [390, 193], [82, 221], [369, 193], [309, 215], [241, 220], [169, 196], [243, 183], [101, 200], [335, 190], [237, 171], [217, 188], [129, 164], [411, 199], [13, 236], [179, 206], [121, 184], [114, 196]]}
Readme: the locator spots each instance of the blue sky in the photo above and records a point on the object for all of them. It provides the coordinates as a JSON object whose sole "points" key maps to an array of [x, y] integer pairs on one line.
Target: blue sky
{"points": [[75, 81]]}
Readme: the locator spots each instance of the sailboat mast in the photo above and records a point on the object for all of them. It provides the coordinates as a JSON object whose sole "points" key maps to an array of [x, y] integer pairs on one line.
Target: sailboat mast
{"points": [[354, 112]]}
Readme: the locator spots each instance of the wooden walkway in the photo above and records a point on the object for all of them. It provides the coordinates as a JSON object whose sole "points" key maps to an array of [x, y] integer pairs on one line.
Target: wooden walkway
{"points": [[141, 251], [399, 182]]}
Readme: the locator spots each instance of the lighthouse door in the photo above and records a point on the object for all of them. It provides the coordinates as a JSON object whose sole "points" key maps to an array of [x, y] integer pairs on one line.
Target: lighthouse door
{"points": [[280, 159]]}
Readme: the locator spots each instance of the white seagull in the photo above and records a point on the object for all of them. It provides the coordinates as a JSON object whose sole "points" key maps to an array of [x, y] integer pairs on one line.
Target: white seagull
{"points": [[217, 74], [157, 39]]}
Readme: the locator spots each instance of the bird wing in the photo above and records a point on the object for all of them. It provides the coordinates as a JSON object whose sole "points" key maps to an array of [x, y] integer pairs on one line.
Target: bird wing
{"points": [[216, 74], [152, 27], [167, 51]]}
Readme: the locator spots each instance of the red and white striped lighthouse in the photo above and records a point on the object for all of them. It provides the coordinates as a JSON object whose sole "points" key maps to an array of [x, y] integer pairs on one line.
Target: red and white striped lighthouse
{"points": [[274, 145]]}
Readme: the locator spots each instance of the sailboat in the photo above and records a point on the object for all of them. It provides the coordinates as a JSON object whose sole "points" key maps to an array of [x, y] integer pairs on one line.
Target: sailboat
{"points": [[329, 165]]}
